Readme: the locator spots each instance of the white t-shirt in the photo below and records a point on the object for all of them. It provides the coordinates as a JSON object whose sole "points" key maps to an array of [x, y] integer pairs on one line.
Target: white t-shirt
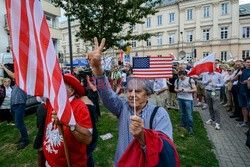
{"points": [[184, 84]]}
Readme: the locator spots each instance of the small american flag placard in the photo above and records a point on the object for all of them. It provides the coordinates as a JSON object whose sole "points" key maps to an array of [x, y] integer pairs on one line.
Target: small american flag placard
{"points": [[152, 67]]}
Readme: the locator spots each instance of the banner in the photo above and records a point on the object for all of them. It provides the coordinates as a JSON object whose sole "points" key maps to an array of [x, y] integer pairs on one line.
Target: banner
{"points": [[126, 59]]}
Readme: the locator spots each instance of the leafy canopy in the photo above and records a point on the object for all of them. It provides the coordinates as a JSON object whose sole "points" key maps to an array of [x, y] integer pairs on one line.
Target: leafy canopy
{"points": [[110, 19]]}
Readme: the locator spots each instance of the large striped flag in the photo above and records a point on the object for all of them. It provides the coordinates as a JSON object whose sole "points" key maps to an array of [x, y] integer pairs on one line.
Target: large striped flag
{"points": [[152, 67], [37, 70]]}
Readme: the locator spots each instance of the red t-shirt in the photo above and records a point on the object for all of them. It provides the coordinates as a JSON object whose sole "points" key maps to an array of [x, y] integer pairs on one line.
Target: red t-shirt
{"points": [[53, 146]]}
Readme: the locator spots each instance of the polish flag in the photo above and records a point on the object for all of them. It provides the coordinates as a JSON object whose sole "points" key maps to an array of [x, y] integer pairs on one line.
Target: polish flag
{"points": [[204, 65]]}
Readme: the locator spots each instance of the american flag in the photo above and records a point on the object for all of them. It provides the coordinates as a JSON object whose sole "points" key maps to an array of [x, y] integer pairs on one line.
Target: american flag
{"points": [[37, 70], [152, 67]]}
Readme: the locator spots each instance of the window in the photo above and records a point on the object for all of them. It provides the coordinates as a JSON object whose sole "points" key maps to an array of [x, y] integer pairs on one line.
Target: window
{"points": [[245, 32], [205, 34], [189, 36], [205, 54], [171, 38], [224, 32], [64, 37], [189, 57], [224, 8], [133, 44], [223, 56], [77, 49], [206, 11], [245, 54], [159, 20], [64, 50], [171, 17], [148, 22], [51, 21], [189, 14], [159, 40], [149, 42]]}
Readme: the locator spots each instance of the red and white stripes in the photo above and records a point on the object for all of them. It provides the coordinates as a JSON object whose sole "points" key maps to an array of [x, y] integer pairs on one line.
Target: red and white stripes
{"points": [[37, 70]]}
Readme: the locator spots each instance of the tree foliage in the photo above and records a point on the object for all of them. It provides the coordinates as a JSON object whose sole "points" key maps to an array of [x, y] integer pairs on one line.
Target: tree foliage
{"points": [[110, 19]]}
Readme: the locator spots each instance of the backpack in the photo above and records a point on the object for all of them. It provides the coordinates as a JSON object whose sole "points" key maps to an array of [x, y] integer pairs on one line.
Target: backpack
{"points": [[189, 80], [152, 116]]}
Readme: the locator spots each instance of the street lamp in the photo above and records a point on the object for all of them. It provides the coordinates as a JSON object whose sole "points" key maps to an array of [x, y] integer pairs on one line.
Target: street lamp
{"points": [[182, 54]]}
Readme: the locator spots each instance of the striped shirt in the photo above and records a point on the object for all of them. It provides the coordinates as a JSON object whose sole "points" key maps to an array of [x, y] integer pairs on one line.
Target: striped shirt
{"points": [[120, 108]]}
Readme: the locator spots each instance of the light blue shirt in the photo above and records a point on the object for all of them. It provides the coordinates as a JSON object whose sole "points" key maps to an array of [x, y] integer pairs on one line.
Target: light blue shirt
{"points": [[160, 83], [120, 108], [217, 79]]}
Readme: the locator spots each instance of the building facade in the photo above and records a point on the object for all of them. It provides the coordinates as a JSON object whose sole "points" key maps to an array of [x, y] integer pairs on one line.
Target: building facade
{"points": [[197, 27], [79, 47], [52, 15]]}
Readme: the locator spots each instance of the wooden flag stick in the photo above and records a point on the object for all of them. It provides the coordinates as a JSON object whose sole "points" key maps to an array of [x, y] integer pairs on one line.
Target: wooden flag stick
{"points": [[134, 102], [60, 128]]}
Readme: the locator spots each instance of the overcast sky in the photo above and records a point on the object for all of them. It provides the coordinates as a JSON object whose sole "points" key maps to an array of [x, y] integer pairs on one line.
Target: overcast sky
{"points": [[244, 1]]}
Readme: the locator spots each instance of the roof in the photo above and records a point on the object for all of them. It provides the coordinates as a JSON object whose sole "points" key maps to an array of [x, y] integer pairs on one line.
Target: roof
{"points": [[245, 9]]}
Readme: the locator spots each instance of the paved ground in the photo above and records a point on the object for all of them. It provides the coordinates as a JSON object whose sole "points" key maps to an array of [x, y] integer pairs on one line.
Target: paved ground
{"points": [[229, 141]]}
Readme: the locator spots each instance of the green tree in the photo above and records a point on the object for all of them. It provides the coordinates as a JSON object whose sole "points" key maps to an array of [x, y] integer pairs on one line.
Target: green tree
{"points": [[110, 19]]}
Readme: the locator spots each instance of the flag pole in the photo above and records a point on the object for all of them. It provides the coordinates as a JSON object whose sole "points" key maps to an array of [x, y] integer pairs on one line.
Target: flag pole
{"points": [[134, 86], [134, 102], [60, 128]]}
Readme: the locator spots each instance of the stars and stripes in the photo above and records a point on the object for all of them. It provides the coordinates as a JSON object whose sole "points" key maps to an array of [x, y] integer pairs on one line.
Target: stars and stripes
{"points": [[152, 67], [37, 70]]}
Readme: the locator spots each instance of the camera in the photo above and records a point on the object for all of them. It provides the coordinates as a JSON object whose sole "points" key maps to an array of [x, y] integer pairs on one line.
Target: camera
{"points": [[82, 75]]}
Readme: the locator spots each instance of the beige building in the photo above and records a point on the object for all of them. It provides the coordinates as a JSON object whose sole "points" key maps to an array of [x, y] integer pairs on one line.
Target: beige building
{"points": [[79, 47], [197, 27], [52, 14]]}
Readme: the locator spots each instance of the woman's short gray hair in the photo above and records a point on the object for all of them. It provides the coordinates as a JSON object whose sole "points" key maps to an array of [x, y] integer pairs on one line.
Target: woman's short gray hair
{"points": [[138, 83]]}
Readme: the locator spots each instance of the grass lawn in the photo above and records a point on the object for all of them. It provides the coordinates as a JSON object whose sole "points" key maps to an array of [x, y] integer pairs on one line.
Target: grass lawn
{"points": [[194, 150]]}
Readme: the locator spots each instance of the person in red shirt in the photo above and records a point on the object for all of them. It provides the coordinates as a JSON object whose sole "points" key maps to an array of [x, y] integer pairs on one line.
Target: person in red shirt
{"points": [[77, 136]]}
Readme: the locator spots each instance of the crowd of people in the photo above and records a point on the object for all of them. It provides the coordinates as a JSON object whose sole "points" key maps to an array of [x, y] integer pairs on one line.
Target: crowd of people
{"points": [[142, 114]]}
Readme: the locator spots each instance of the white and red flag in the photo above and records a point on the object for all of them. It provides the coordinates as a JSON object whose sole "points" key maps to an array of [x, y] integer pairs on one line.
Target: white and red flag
{"points": [[36, 66], [152, 67], [204, 65]]}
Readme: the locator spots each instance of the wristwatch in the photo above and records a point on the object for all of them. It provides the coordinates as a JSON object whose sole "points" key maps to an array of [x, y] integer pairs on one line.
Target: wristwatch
{"points": [[72, 128]]}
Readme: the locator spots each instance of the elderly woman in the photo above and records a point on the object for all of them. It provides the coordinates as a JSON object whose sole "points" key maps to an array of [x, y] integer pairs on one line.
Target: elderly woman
{"points": [[134, 114], [5, 101]]}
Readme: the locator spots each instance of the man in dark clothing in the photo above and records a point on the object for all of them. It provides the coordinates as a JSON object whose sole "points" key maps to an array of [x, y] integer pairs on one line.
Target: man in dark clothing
{"points": [[237, 110], [172, 95]]}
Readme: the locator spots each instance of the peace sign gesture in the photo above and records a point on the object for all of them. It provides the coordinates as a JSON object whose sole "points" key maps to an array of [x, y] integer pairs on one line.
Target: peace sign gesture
{"points": [[95, 57]]}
